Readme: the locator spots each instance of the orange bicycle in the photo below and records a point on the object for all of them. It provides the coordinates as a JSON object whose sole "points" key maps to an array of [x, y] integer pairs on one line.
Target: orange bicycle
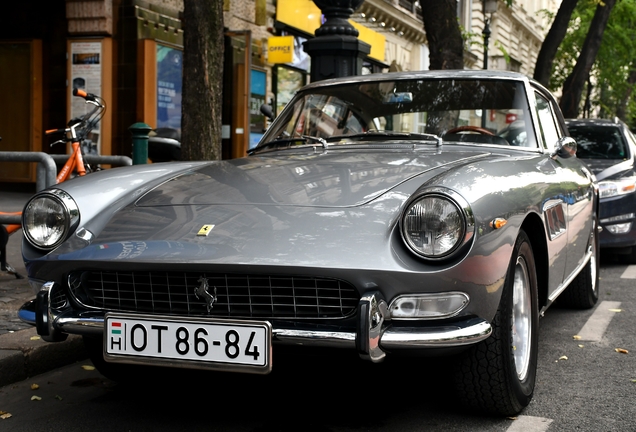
{"points": [[75, 133]]}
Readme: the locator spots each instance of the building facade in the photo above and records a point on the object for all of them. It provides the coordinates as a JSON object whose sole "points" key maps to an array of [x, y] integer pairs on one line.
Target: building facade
{"points": [[517, 33]]}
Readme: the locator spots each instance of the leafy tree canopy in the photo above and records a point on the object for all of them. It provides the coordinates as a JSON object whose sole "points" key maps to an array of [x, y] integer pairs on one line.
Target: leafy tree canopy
{"points": [[612, 77]]}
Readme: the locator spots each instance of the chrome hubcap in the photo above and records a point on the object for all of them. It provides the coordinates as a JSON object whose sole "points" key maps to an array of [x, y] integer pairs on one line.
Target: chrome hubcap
{"points": [[521, 318]]}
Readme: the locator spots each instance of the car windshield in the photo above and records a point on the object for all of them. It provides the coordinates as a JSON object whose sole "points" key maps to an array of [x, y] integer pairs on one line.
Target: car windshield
{"points": [[599, 142], [486, 111]]}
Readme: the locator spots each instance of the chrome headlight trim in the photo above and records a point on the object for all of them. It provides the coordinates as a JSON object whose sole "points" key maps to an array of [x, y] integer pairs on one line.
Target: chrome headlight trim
{"points": [[61, 219], [465, 228]]}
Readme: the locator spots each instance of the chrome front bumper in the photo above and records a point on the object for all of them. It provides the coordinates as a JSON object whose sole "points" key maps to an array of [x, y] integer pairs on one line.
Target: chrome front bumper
{"points": [[374, 335]]}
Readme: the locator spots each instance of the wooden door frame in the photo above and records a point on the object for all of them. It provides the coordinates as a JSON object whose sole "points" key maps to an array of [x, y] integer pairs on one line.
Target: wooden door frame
{"points": [[240, 126], [35, 105]]}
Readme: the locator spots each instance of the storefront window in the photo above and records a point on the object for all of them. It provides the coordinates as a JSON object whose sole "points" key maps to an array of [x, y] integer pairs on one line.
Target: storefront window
{"points": [[257, 98], [169, 78], [288, 81]]}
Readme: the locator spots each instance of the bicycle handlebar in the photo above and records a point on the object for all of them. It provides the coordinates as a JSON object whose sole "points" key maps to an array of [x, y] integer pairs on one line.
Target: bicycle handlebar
{"points": [[87, 96], [79, 127], [53, 131]]}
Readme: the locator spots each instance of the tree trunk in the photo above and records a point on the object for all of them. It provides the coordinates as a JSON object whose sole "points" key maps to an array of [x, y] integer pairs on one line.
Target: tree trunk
{"points": [[202, 80], [558, 29], [575, 82], [442, 31], [621, 111]]}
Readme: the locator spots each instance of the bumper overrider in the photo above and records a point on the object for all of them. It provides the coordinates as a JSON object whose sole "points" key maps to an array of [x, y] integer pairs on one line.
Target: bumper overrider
{"points": [[375, 334]]}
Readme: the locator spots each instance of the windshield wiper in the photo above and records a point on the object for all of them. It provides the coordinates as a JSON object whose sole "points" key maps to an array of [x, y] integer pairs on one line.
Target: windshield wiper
{"points": [[375, 135], [320, 140], [287, 142]]}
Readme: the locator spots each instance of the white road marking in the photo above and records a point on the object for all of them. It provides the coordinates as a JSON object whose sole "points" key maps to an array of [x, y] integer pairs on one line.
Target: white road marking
{"points": [[629, 273], [596, 325], [529, 424]]}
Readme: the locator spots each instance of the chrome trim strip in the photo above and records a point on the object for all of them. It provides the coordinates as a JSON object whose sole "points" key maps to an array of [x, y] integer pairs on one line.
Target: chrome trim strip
{"points": [[372, 311], [315, 338], [551, 203], [458, 334], [81, 325]]}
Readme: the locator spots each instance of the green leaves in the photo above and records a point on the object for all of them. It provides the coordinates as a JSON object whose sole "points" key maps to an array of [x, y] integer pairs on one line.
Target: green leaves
{"points": [[612, 87]]}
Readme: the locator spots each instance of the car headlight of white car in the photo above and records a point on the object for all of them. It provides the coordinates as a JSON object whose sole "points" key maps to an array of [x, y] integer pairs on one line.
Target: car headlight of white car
{"points": [[49, 218], [436, 223]]}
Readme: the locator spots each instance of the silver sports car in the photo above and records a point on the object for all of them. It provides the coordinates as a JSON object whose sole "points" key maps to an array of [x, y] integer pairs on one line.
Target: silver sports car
{"points": [[402, 213]]}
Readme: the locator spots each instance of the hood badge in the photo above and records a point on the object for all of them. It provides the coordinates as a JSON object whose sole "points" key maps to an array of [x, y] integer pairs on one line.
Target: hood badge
{"points": [[205, 230], [202, 293]]}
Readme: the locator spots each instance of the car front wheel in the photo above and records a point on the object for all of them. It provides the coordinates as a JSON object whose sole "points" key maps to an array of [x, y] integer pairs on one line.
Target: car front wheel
{"points": [[498, 375]]}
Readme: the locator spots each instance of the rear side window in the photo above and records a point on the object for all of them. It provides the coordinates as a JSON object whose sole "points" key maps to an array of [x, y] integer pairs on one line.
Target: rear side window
{"points": [[599, 142]]}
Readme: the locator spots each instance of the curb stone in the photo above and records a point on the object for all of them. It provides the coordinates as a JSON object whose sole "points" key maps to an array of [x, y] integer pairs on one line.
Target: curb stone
{"points": [[23, 355]]}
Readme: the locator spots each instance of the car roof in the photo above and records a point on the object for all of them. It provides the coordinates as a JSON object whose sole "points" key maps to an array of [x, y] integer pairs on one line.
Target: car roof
{"points": [[594, 122], [427, 74]]}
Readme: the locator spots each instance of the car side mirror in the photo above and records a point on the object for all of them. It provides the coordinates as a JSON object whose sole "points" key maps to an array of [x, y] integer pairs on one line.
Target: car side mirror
{"points": [[565, 148], [267, 111]]}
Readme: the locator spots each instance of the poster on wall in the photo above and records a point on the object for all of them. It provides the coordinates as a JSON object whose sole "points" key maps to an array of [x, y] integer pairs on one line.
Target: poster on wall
{"points": [[257, 98], [86, 74]]}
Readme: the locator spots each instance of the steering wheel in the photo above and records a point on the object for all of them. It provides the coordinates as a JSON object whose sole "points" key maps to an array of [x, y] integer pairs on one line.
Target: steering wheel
{"points": [[469, 128]]}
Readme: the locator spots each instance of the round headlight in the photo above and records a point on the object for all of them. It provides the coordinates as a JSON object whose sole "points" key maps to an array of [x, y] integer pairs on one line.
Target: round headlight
{"points": [[434, 225], [49, 218]]}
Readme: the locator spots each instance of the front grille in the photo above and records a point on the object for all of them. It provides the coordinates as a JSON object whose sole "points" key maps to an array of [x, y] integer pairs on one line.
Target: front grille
{"points": [[237, 296], [57, 298]]}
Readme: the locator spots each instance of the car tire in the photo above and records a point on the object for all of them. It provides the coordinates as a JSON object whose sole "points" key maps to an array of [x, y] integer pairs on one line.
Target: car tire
{"points": [[498, 375], [628, 258], [123, 373], [582, 293]]}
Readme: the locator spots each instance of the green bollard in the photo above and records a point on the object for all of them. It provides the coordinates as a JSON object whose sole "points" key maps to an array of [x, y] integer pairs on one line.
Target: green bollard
{"points": [[140, 133]]}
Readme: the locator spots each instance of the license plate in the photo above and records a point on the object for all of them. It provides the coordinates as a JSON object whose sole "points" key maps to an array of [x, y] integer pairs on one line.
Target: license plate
{"points": [[199, 343]]}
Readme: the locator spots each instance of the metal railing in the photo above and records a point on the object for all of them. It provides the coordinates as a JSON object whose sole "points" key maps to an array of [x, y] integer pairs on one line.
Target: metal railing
{"points": [[47, 169]]}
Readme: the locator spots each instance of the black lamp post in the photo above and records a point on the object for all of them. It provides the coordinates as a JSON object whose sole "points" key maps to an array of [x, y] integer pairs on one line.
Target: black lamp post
{"points": [[489, 7], [336, 50]]}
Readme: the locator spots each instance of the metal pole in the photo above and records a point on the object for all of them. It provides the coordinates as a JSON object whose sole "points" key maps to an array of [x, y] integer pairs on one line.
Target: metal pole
{"points": [[336, 50], [140, 133]]}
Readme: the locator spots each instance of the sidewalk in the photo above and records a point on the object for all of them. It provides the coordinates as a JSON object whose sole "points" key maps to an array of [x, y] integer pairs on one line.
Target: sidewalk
{"points": [[22, 353]]}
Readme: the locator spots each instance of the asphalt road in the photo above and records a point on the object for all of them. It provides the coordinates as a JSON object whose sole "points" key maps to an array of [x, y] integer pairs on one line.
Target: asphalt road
{"points": [[584, 384]]}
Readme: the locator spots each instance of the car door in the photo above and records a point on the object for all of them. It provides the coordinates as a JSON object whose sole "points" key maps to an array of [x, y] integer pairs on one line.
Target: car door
{"points": [[568, 209]]}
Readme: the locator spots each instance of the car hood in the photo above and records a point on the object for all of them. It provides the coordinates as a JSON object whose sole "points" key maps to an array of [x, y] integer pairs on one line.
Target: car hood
{"points": [[288, 209], [609, 168], [333, 179]]}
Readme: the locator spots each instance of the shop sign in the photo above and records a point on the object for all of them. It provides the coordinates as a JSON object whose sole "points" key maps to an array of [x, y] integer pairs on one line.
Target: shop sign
{"points": [[280, 49]]}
